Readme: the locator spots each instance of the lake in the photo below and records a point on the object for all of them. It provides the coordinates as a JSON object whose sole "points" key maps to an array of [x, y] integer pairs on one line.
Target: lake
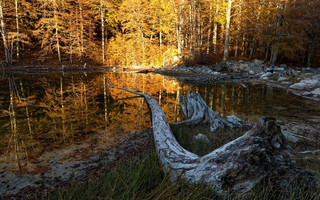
{"points": [[40, 113]]}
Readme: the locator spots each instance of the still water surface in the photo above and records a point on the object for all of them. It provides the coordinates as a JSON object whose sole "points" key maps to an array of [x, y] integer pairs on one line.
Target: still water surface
{"points": [[42, 112]]}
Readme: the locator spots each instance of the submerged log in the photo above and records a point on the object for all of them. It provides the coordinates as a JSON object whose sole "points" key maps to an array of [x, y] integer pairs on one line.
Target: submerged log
{"points": [[236, 166]]}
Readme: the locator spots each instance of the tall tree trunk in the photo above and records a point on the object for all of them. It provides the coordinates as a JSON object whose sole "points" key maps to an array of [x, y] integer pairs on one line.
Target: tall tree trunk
{"points": [[274, 53], [236, 48], [226, 40], [179, 10], [238, 29], [17, 27], [102, 7], [4, 36], [215, 28], [81, 28], [266, 52], [200, 37], [160, 37], [310, 54], [209, 30], [252, 48], [55, 9]]}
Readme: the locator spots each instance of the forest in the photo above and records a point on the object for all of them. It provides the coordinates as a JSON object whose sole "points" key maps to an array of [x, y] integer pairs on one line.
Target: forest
{"points": [[160, 99], [159, 33]]}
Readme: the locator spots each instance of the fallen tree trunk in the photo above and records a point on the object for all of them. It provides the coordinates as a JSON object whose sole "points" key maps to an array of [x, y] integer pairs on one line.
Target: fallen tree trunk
{"points": [[236, 166], [196, 111]]}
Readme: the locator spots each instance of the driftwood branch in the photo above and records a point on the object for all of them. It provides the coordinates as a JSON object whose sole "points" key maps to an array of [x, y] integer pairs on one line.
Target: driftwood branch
{"points": [[236, 166], [196, 111]]}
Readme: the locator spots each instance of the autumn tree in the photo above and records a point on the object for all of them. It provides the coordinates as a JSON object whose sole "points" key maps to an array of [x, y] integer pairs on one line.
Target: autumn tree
{"points": [[4, 35]]}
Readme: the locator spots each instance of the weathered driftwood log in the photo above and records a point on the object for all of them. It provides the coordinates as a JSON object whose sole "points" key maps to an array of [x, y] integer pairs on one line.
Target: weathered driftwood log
{"points": [[196, 111], [236, 166]]}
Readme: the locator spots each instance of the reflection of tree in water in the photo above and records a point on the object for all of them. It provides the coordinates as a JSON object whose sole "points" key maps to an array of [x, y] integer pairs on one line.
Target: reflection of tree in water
{"points": [[18, 141], [135, 114], [70, 110]]}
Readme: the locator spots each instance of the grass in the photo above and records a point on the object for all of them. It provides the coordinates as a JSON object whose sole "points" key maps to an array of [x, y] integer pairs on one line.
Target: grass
{"points": [[186, 134], [140, 180], [144, 179]]}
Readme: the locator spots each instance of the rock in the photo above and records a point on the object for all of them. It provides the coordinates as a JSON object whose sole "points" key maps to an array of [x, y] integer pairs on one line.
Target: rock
{"points": [[278, 69], [317, 76], [256, 61], [251, 72], [265, 78], [283, 79], [260, 74], [286, 83], [308, 74], [306, 84], [316, 92], [202, 138], [216, 73], [268, 74], [255, 67], [243, 66], [307, 70], [292, 72], [306, 93], [268, 69]]}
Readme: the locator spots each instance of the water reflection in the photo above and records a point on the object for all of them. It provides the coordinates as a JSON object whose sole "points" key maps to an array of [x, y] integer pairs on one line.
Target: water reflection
{"points": [[39, 113]]}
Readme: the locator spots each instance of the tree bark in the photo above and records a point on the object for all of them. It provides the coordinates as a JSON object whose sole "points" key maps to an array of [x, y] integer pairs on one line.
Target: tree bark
{"points": [[102, 31], [209, 30], [310, 54], [4, 36], [215, 28], [274, 53], [238, 29], [196, 111], [236, 166], [226, 40], [17, 27], [55, 10]]}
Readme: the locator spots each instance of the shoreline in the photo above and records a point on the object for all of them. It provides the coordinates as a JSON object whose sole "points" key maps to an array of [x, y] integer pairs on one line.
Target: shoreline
{"points": [[63, 167], [257, 73], [292, 80]]}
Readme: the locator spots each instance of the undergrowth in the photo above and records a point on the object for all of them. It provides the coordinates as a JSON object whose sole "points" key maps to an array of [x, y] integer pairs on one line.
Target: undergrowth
{"points": [[145, 180]]}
